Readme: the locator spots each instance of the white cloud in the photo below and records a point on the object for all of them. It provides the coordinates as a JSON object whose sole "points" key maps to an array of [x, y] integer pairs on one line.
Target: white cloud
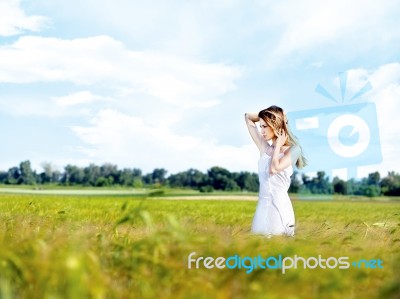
{"points": [[158, 87], [381, 78], [104, 61], [13, 20], [78, 98], [386, 94], [29, 106], [126, 140], [34, 105], [308, 25]]}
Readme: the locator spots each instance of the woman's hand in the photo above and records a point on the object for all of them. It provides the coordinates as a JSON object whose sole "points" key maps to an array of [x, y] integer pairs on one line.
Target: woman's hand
{"points": [[281, 138]]}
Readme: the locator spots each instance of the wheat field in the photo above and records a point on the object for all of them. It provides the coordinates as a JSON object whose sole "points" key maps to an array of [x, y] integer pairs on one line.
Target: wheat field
{"points": [[117, 246]]}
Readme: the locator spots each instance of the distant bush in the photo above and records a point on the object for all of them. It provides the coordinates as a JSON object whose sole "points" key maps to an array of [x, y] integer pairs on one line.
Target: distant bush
{"points": [[206, 189], [156, 193]]}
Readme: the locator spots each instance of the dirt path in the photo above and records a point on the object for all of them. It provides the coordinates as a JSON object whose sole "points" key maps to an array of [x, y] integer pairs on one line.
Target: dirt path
{"points": [[207, 197], [72, 191]]}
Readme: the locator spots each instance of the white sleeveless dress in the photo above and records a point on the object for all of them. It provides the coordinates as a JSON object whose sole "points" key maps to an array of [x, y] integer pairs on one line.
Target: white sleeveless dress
{"points": [[274, 213]]}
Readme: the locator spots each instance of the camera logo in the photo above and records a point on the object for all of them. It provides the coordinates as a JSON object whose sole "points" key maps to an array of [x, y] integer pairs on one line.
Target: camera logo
{"points": [[342, 136], [359, 127]]}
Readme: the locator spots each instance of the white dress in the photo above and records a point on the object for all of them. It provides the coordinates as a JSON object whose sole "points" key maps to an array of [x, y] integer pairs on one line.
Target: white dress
{"points": [[274, 213]]}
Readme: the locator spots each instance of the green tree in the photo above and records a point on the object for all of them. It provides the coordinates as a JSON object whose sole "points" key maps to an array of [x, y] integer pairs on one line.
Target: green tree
{"points": [[27, 175], [13, 176], [371, 190], [339, 186], [295, 183], [156, 177], [317, 185], [73, 175], [370, 186], [247, 181], [354, 187], [221, 179], [126, 177], [3, 177], [374, 178], [137, 178], [191, 178], [104, 182], [231, 185], [110, 172], [391, 184], [91, 174], [50, 173]]}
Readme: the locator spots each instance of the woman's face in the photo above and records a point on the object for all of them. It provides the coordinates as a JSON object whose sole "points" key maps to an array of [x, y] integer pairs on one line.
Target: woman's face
{"points": [[266, 131]]}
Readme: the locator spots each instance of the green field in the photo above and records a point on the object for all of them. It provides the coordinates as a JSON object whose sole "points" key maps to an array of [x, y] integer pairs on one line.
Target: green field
{"points": [[117, 246]]}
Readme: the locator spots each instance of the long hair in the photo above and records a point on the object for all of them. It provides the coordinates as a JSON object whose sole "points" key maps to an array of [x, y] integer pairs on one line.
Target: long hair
{"points": [[275, 117]]}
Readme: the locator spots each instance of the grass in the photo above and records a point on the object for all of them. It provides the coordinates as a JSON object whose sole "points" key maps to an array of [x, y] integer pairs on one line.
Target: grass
{"points": [[55, 246]]}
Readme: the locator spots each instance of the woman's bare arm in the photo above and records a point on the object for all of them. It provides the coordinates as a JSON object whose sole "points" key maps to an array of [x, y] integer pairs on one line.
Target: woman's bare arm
{"points": [[290, 157], [251, 119]]}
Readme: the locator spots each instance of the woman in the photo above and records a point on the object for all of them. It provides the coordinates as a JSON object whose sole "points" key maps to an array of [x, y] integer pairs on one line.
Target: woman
{"points": [[279, 151]]}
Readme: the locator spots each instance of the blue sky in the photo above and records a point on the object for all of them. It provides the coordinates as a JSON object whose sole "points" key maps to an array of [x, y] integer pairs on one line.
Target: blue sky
{"points": [[151, 84]]}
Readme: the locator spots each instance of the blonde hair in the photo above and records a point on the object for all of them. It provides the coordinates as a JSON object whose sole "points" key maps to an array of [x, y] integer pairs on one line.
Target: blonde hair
{"points": [[275, 118]]}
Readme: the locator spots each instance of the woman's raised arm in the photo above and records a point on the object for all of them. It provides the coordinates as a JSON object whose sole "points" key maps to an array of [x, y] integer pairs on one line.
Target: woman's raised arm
{"points": [[251, 119]]}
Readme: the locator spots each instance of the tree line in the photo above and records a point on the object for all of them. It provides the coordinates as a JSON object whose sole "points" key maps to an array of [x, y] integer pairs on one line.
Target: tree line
{"points": [[215, 178]]}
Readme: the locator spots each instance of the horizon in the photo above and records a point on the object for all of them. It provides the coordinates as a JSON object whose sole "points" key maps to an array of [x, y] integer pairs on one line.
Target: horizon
{"points": [[168, 173]]}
